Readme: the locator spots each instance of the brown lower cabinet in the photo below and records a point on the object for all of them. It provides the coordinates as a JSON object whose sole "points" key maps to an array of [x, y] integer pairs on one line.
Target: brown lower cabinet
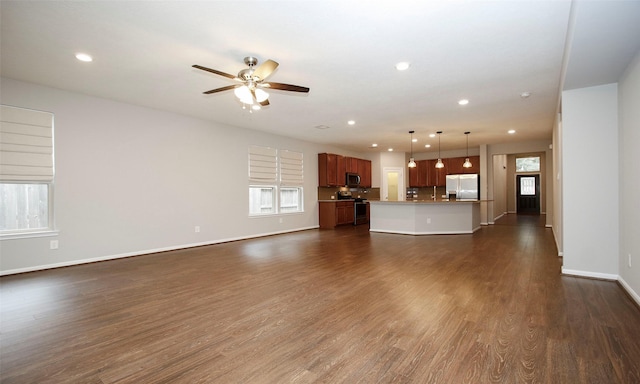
{"points": [[333, 213]]}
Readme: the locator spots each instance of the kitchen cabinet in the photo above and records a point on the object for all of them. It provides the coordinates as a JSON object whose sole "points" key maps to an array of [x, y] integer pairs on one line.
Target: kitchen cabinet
{"points": [[333, 213], [364, 170], [437, 176], [454, 166], [331, 170], [475, 165], [419, 176], [351, 164]]}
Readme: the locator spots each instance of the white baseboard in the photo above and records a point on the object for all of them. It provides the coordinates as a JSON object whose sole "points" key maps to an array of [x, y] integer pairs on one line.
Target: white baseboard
{"points": [[145, 252], [593, 275], [634, 295]]}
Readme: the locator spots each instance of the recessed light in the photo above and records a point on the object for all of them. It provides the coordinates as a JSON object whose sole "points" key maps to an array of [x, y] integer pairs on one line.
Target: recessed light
{"points": [[390, 149], [427, 145], [84, 57], [414, 140], [511, 131], [432, 135], [351, 122], [322, 126], [403, 66], [374, 145], [524, 95], [463, 102]]}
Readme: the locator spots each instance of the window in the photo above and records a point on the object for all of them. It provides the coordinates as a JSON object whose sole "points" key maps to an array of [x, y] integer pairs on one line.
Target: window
{"points": [[26, 171], [261, 200], [527, 186], [276, 178], [528, 164]]}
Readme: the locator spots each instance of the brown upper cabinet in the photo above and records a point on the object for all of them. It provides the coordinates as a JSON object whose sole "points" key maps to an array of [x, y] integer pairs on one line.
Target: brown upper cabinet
{"points": [[351, 164], [425, 174], [455, 165], [419, 176], [332, 169], [364, 170]]}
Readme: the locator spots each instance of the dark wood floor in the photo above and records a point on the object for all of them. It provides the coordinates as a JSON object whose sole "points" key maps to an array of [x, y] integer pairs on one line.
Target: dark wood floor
{"points": [[325, 306]]}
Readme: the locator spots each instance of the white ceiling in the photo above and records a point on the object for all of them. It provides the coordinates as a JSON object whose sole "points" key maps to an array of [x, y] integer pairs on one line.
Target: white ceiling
{"points": [[345, 51]]}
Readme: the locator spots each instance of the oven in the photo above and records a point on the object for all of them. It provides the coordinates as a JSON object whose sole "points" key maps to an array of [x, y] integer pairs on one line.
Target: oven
{"points": [[360, 212]]}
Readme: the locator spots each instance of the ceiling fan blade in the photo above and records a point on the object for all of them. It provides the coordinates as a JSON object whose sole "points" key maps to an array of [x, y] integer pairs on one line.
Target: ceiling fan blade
{"points": [[214, 71], [228, 87], [265, 103], [287, 87], [265, 69]]}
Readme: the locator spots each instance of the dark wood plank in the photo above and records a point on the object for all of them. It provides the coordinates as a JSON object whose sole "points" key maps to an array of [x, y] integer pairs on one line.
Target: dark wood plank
{"points": [[330, 306]]}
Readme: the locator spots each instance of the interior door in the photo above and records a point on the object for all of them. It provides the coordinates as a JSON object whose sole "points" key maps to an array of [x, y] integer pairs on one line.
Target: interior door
{"points": [[528, 194], [392, 184]]}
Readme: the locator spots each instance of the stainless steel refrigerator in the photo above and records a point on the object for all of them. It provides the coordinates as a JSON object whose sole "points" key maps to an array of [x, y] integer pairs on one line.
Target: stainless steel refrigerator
{"points": [[463, 187]]}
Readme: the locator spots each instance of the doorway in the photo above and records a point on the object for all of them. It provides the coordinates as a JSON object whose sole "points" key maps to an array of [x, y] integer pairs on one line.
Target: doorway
{"points": [[528, 194], [392, 184]]}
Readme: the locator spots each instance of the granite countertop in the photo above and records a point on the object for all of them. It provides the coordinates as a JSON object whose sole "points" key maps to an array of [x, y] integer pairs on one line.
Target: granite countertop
{"points": [[428, 201]]}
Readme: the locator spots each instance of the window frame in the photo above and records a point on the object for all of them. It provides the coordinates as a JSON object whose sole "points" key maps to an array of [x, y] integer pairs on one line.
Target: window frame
{"points": [[274, 181], [528, 157], [32, 119]]}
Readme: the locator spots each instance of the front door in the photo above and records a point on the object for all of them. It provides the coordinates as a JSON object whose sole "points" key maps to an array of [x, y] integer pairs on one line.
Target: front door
{"points": [[528, 194]]}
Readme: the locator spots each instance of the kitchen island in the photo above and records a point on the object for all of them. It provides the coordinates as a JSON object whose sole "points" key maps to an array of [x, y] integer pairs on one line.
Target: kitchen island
{"points": [[425, 217]]}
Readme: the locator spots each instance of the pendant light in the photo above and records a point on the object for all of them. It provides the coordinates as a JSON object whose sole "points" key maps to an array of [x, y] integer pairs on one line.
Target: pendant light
{"points": [[439, 164], [467, 163], [412, 162]]}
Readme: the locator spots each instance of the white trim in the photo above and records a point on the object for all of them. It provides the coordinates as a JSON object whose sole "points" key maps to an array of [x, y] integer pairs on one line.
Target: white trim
{"points": [[27, 235], [425, 233], [485, 223], [560, 254], [548, 226], [595, 275], [146, 252], [630, 291]]}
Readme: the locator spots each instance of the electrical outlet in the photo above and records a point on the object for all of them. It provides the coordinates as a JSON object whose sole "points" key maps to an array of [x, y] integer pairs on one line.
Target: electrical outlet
{"points": [[197, 229], [629, 260], [428, 220], [53, 244], [281, 220]]}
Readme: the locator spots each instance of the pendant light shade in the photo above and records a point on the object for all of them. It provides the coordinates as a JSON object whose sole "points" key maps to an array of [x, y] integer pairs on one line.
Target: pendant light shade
{"points": [[467, 163], [439, 164], [412, 162]]}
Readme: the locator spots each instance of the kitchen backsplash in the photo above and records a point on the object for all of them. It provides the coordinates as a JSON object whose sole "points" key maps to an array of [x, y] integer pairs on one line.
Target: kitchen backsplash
{"points": [[326, 193]]}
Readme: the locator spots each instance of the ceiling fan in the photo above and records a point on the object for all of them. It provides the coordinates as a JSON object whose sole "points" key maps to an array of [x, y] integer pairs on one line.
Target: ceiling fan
{"points": [[251, 82]]}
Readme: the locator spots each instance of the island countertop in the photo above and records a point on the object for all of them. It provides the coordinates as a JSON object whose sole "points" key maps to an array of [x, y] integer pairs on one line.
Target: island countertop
{"points": [[425, 217]]}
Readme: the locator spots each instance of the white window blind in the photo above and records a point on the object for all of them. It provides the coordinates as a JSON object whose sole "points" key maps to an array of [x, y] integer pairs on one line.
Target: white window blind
{"points": [[263, 163], [26, 145], [290, 168]]}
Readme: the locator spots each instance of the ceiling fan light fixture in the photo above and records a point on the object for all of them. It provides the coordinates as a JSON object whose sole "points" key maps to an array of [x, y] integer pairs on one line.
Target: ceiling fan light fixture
{"points": [[261, 95], [244, 94]]}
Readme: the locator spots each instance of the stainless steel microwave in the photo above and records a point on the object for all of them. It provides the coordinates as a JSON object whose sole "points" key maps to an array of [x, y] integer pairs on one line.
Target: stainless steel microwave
{"points": [[352, 180]]}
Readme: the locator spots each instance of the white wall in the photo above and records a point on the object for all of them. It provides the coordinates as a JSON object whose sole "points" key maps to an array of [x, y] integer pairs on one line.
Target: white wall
{"points": [[557, 184], [131, 180], [499, 187], [629, 142], [590, 181]]}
